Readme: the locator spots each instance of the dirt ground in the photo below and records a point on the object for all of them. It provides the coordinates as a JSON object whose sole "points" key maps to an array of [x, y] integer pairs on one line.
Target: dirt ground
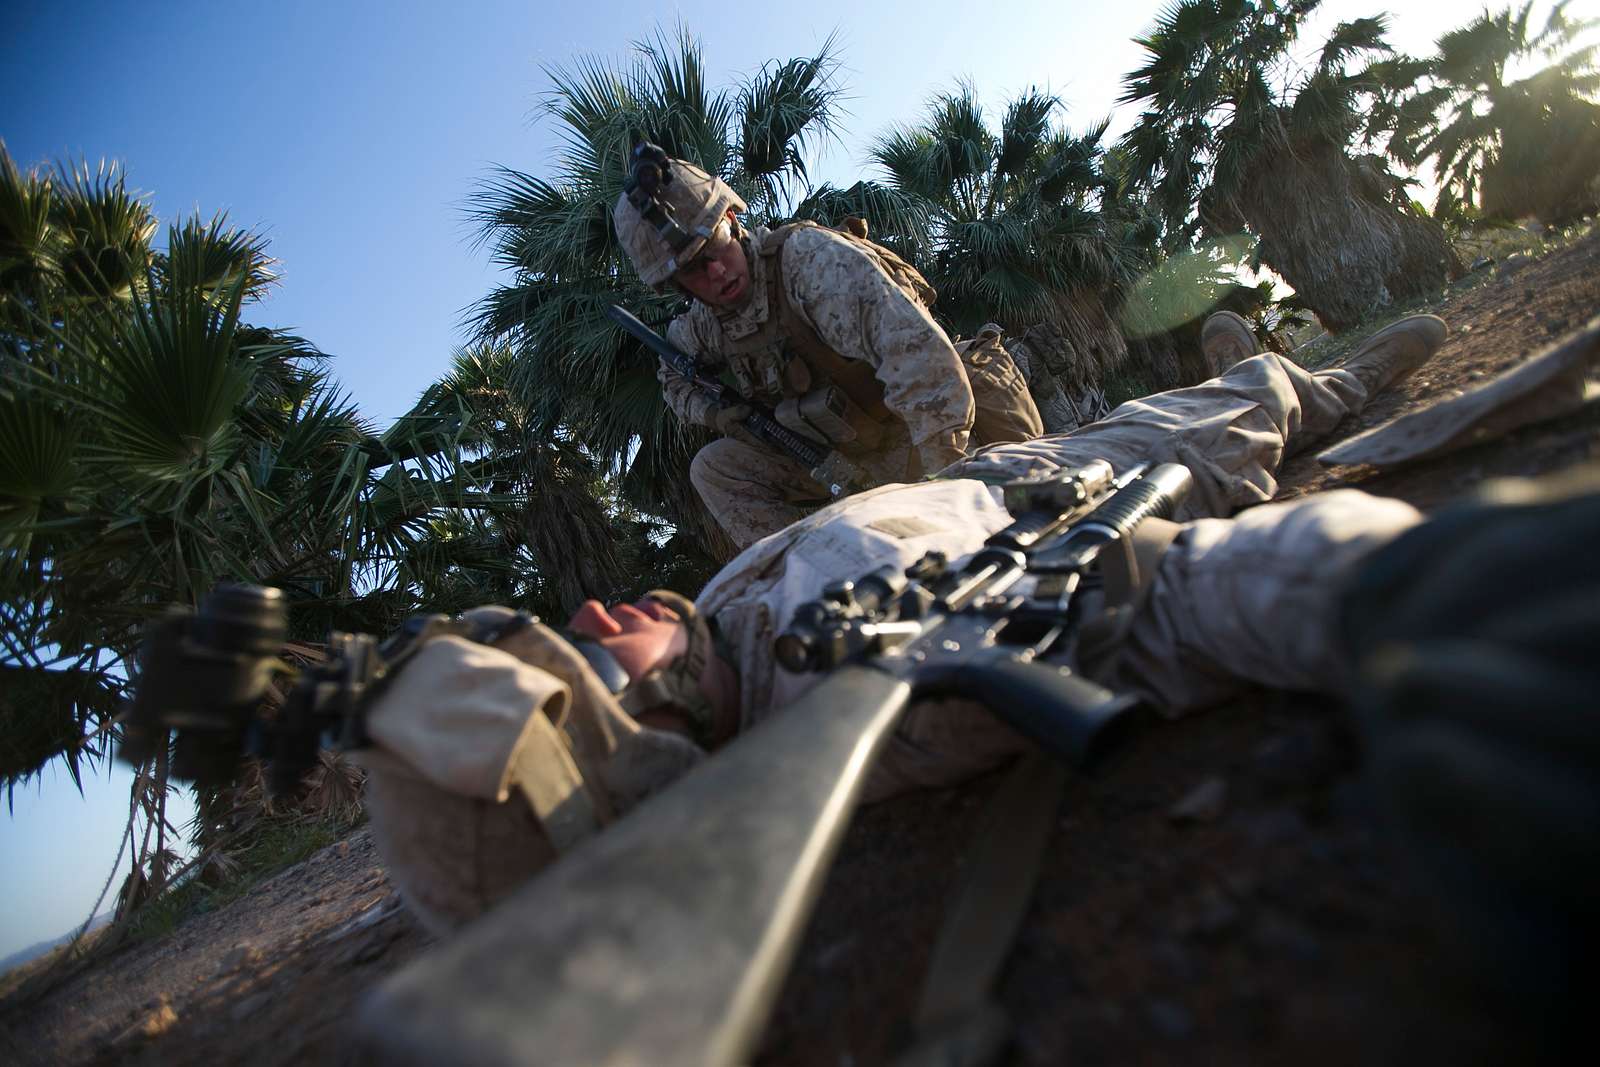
{"points": [[1276, 928]]}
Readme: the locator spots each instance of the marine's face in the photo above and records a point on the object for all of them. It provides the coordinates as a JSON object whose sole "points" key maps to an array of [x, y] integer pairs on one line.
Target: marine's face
{"points": [[720, 274], [642, 636]]}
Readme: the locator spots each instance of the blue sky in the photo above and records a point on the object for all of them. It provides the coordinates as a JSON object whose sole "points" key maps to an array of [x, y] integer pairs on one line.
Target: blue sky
{"points": [[352, 133]]}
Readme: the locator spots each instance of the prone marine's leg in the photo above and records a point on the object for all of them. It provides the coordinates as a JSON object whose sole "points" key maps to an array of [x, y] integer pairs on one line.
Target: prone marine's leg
{"points": [[1233, 431], [1252, 600]]}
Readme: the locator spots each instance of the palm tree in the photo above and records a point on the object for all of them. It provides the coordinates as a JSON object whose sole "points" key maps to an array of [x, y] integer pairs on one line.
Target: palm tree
{"points": [[153, 444], [582, 385], [1233, 138], [1511, 148], [1025, 229], [548, 495]]}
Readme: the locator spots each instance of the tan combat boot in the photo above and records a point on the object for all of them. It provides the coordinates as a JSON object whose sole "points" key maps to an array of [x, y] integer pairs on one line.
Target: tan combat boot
{"points": [[1226, 339], [1395, 351]]}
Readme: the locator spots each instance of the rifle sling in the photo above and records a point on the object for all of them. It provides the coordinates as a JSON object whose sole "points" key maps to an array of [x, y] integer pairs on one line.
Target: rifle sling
{"points": [[957, 1022]]}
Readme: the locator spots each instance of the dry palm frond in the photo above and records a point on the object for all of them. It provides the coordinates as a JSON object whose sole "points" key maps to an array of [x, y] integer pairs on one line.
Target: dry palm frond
{"points": [[219, 867], [162, 864], [332, 789], [134, 892]]}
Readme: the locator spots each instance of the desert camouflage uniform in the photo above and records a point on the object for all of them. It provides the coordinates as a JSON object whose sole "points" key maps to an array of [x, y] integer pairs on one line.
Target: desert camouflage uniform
{"points": [[489, 762], [859, 313], [1231, 600]]}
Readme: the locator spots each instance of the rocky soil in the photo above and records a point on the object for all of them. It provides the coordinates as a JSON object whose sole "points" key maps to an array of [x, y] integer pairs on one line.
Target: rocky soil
{"points": [[1221, 895]]}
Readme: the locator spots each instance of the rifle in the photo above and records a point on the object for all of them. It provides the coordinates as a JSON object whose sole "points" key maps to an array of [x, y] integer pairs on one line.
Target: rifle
{"points": [[665, 939], [826, 465]]}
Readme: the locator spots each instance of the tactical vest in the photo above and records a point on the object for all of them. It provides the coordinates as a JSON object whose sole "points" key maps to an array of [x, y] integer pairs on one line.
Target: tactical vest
{"points": [[814, 390]]}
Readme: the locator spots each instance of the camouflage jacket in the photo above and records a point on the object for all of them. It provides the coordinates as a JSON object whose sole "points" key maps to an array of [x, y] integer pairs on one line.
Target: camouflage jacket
{"points": [[860, 314]]}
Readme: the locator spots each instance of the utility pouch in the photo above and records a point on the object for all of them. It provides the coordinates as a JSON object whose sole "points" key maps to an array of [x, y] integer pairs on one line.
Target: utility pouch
{"points": [[829, 413]]}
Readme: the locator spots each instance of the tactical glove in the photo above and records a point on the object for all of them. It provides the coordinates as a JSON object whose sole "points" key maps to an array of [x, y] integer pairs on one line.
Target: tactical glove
{"points": [[729, 420]]}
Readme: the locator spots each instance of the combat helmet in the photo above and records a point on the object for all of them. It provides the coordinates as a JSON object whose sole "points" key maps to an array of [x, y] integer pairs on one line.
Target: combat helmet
{"points": [[667, 210]]}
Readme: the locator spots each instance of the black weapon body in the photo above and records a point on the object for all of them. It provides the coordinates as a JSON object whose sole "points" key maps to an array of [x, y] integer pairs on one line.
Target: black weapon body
{"points": [[759, 422], [203, 677], [666, 939], [976, 632]]}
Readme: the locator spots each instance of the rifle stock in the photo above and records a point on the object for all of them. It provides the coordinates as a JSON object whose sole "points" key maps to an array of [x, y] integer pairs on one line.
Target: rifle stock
{"points": [[666, 939]]}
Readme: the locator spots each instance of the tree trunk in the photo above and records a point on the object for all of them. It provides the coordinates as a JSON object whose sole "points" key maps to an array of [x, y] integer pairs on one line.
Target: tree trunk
{"points": [[1058, 413], [1085, 342], [571, 534], [1328, 229]]}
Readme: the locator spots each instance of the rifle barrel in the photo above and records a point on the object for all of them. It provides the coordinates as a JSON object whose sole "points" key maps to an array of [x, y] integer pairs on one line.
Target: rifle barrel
{"points": [[680, 361]]}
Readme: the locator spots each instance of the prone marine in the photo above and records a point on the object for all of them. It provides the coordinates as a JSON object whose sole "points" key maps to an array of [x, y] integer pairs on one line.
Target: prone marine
{"points": [[633, 695], [502, 743]]}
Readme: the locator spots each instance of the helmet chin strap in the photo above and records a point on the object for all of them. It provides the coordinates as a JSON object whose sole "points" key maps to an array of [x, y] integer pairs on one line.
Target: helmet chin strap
{"points": [[675, 687], [600, 660]]}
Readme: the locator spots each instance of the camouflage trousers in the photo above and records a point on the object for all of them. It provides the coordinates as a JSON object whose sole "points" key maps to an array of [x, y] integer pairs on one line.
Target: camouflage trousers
{"points": [[1232, 432], [752, 490], [1235, 602]]}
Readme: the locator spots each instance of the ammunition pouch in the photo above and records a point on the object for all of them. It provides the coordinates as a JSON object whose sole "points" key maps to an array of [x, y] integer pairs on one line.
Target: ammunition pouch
{"points": [[828, 414], [840, 476]]}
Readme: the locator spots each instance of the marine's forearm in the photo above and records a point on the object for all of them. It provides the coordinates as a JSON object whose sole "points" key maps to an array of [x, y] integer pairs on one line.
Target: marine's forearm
{"points": [[684, 399]]}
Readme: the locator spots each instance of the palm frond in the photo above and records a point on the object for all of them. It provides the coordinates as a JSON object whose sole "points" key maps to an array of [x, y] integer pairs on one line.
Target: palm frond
{"points": [[47, 714], [161, 384], [1324, 110], [893, 217], [1023, 132], [784, 110], [966, 148], [1476, 54], [1070, 166], [682, 114], [104, 231], [38, 443], [1468, 117], [1559, 29], [1350, 39], [209, 257], [599, 117], [910, 158], [29, 250]]}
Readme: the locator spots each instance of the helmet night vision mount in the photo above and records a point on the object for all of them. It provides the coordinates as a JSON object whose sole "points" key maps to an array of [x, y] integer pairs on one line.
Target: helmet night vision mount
{"points": [[649, 173]]}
